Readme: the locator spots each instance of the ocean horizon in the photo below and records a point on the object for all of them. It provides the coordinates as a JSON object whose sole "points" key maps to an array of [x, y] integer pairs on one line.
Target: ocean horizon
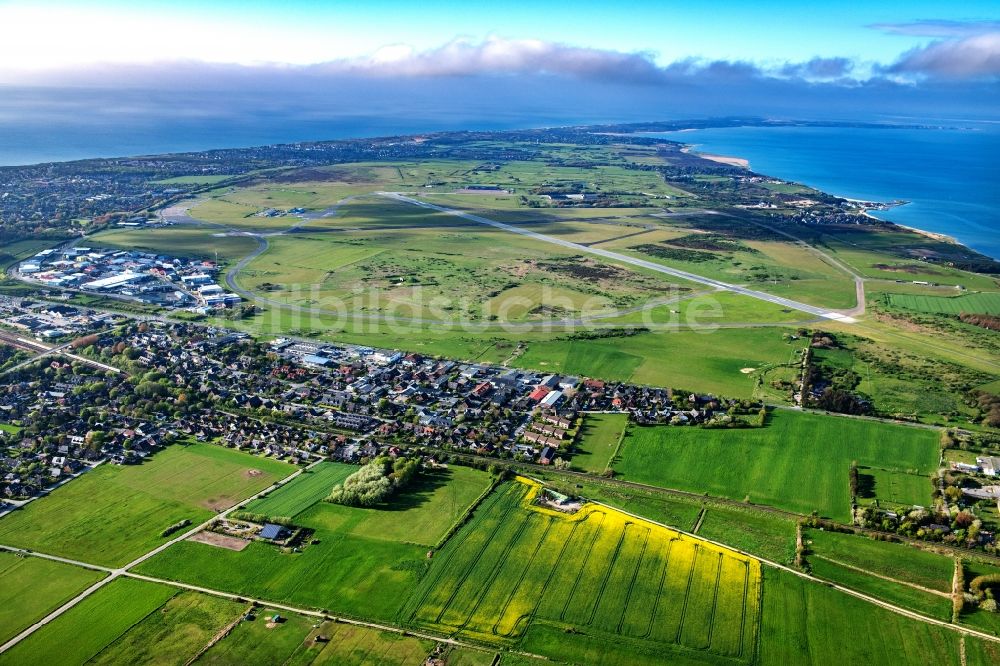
{"points": [[937, 171]]}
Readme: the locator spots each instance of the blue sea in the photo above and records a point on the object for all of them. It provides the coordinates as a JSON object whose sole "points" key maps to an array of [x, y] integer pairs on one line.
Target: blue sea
{"points": [[949, 176]]}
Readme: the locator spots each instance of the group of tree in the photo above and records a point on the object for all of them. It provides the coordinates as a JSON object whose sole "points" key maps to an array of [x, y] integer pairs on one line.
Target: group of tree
{"points": [[375, 482], [989, 407]]}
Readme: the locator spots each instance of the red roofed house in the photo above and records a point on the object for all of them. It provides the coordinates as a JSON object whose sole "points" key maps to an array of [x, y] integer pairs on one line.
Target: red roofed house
{"points": [[539, 393]]}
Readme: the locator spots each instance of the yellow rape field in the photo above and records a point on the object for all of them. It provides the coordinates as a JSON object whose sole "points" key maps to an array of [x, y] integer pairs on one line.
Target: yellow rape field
{"points": [[517, 567]]}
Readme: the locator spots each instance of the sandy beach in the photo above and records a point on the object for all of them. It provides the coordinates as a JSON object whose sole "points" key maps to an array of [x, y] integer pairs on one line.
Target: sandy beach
{"points": [[723, 159], [929, 234]]}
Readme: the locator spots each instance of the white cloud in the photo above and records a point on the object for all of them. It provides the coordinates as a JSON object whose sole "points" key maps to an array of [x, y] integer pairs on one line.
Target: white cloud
{"points": [[462, 57], [975, 56]]}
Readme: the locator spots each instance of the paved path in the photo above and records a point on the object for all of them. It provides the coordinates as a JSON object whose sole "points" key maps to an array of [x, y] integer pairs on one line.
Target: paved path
{"points": [[121, 571], [633, 261], [124, 571]]}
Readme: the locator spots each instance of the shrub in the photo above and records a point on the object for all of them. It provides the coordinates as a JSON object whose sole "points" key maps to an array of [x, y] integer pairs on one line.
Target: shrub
{"points": [[175, 527], [979, 584], [375, 482]]}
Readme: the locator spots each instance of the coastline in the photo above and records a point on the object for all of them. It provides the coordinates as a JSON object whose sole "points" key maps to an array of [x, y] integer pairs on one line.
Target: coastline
{"points": [[933, 235], [954, 204], [741, 162], [745, 164]]}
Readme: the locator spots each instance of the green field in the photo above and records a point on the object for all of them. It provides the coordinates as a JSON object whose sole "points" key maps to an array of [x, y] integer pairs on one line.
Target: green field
{"points": [[112, 514], [634, 587], [981, 653], [94, 623], [918, 580], [348, 645], [292, 641], [365, 562], [175, 633], [31, 587], [898, 488], [981, 303], [799, 461], [712, 361], [808, 623], [893, 560], [752, 531], [421, 515], [258, 640], [599, 437], [926, 603], [312, 486]]}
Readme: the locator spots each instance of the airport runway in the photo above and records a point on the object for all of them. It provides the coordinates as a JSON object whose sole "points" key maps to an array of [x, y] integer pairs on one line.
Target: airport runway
{"points": [[633, 261]]}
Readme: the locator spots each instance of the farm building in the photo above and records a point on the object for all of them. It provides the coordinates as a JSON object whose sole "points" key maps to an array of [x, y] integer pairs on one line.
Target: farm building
{"points": [[272, 532], [551, 399]]}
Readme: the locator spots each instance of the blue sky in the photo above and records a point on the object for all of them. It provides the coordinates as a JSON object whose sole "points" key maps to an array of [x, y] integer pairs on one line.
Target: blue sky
{"points": [[624, 59], [52, 34]]}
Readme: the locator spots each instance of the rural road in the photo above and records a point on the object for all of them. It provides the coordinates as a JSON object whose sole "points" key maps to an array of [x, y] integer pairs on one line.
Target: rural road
{"points": [[632, 261], [114, 573], [121, 571]]}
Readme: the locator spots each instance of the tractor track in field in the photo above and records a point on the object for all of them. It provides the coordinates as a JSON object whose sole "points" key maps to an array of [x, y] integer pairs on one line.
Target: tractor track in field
{"points": [[715, 602], [687, 594], [659, 588], [472, 566], [552, 572], [524, 572], [583, 565], [631, 585], [743, 612], [494, 574], [610, 569]]}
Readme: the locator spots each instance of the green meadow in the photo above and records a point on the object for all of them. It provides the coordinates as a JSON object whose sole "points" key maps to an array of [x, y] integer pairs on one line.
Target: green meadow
{"points": [[808, 623], [112, 514], [596, 443], [31, 587], [94, 624], [364, 562], [798, 461], [302, 492]]}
